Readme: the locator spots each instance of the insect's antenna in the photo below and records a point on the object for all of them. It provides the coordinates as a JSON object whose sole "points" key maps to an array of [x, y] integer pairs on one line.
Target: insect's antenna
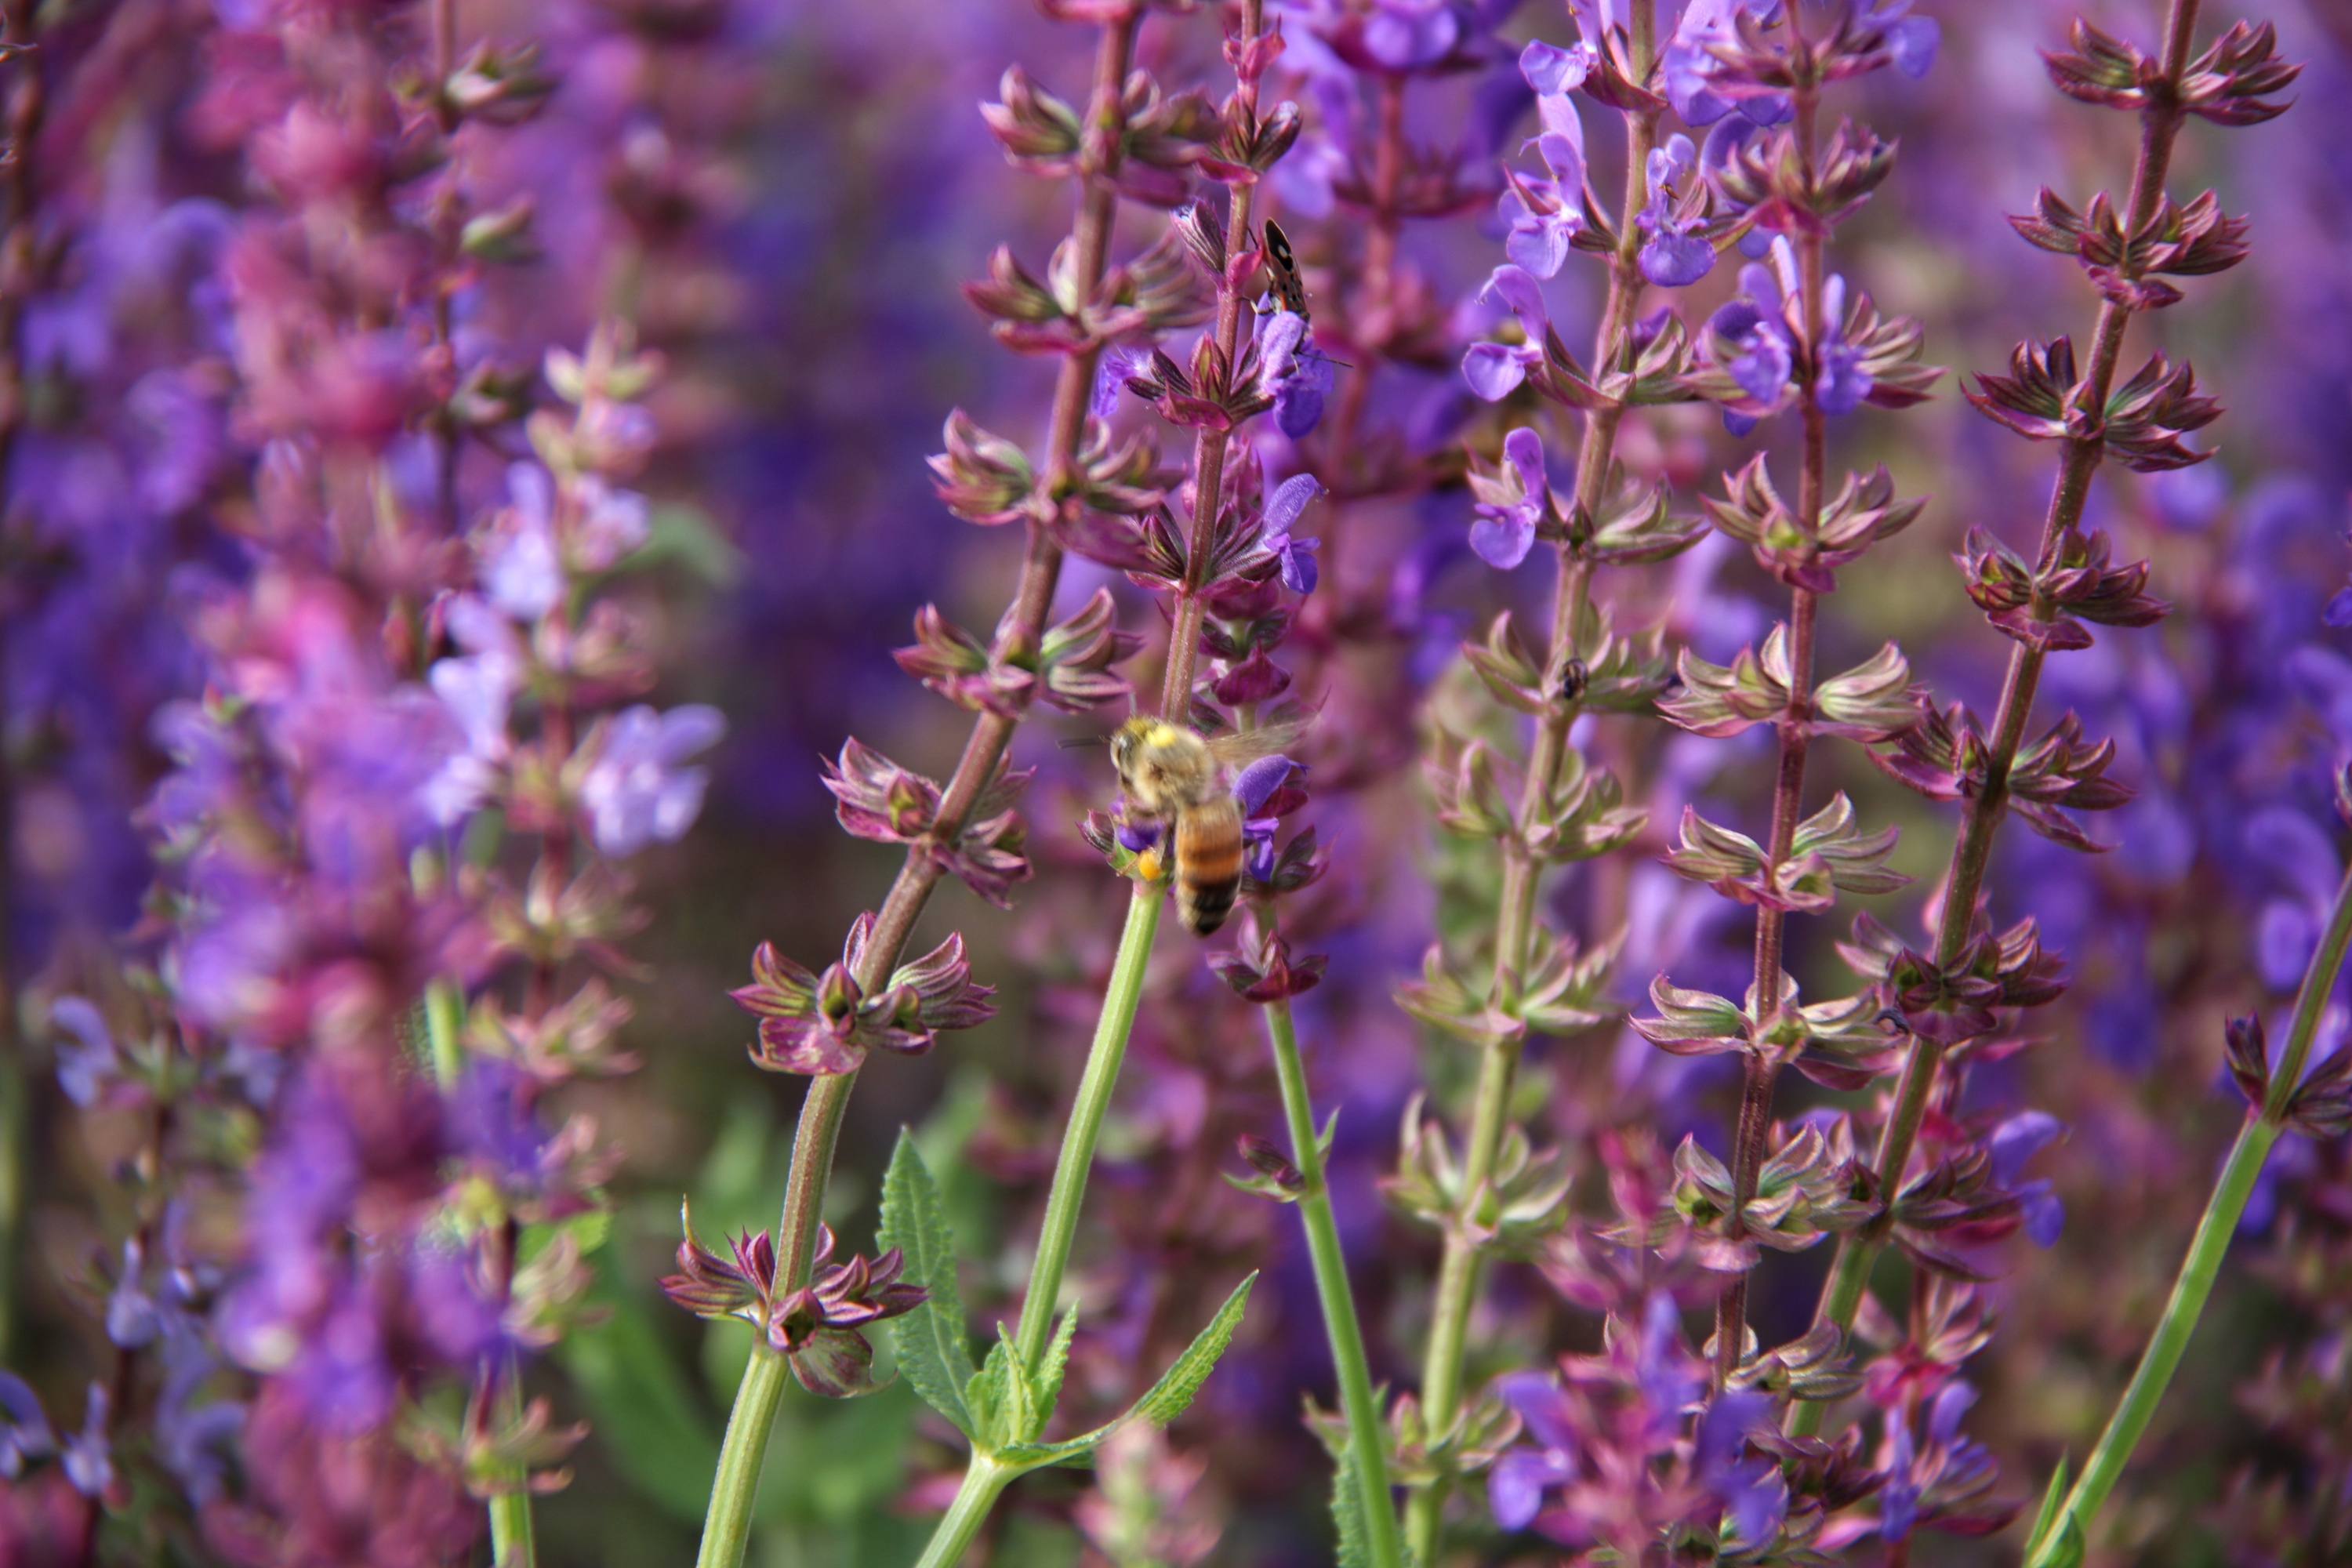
{"points": [[1076, 742]]}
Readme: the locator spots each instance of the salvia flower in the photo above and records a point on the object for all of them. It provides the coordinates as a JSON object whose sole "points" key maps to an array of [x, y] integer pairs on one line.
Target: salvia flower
{"points": [[636, 791], [1700, 84], [1509, 514], [2012, 1143], [1760, 341], [25, 1431], [1494, 370], [1674, 255], [825, 1023], [1282, 505], [1545, 214], [1297, 377], [1943, 1480]]}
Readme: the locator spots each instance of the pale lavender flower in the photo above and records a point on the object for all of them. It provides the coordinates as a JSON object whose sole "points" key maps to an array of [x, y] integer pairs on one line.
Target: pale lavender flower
{"points": [[1672, 257], [613, 523], [1297, 377], [130, 1316], [24, 1430], [2012, 1143], [1546, 215], [636, 791], [1282, 505], [1405, 34], [1515, 1485], [522, 570], [1694, 83], [1494, 370], [86, 1059], [1504, 534], [88, 1455]]}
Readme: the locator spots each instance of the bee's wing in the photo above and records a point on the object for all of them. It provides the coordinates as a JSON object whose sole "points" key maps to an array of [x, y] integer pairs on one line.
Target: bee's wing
{"points": [[1237, 747]]}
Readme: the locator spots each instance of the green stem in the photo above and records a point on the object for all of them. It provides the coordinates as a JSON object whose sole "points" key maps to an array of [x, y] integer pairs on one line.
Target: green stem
{"points": [[514, 1542], [982, 1478], [2211, 1243], [1103, 1059], [1366, 1438], [983, 1483], [728, 1523], [444, 1015], [724, 1528]]}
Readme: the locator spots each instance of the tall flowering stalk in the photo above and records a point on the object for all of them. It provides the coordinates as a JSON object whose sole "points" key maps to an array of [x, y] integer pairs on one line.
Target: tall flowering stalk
{"points": [[1951, 998], [1496, 1193], [1130, 140], [1792, 339]]}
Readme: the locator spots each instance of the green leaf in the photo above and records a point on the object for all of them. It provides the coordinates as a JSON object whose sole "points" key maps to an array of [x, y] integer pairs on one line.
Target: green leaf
{"points": [[1347, 1513], [1167, 1398], [1003, 1398], [1057, 1360], [2053, 1500], [2068, 1551], [687, 536], [932, 1349], [1161, 1404]]}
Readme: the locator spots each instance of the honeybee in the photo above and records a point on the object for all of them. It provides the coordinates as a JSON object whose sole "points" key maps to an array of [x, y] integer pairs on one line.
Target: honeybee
{"points": [[1171, 775], [1282, 262]]}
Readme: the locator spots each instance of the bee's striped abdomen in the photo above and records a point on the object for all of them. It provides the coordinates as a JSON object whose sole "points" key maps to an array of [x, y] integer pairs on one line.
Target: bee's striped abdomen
{"points": [[1208, 863]]}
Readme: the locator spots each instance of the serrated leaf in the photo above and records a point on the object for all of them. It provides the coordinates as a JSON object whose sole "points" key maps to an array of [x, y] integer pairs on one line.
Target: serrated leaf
{"points": [[2053, 1500], [932, 1348], [1161, 1404], [1057, 1362], [1167, 1399]]}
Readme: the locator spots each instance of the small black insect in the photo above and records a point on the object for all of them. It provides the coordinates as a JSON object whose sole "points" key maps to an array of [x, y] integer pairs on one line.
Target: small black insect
{"points": [[1573, 678], [1282, 262]]}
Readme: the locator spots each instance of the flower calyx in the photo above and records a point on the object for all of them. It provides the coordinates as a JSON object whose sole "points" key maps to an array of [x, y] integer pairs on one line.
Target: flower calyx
{"points": [[2229, 84], [878, 800], [1522, 1202], [816, 1325], [2141, 425], [2320, 1107], [1872, 702], [1945, 757], [1956, 1001], [1864, 511], [1070, 671], [2040, 608], [1802, 1194], [1262, 969], [1828, 854], [2189, 241], [824, 1023]]}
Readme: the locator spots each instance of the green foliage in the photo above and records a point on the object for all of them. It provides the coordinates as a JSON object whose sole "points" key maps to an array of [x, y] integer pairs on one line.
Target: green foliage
{"points": [[933, 1350]]}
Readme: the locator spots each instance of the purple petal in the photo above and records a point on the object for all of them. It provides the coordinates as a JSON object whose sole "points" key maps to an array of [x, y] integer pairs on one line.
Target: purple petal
{"points": [[1674, 260], [1524, 295], [2017, 1140], [1523, 447], [1943, 1415], [1502, 538], [1515, 1488], [1911, 44], [1538, 1402], [1286, 502], [1255, 784], [1540, 244], [1493, 369], [1552, 70]]}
